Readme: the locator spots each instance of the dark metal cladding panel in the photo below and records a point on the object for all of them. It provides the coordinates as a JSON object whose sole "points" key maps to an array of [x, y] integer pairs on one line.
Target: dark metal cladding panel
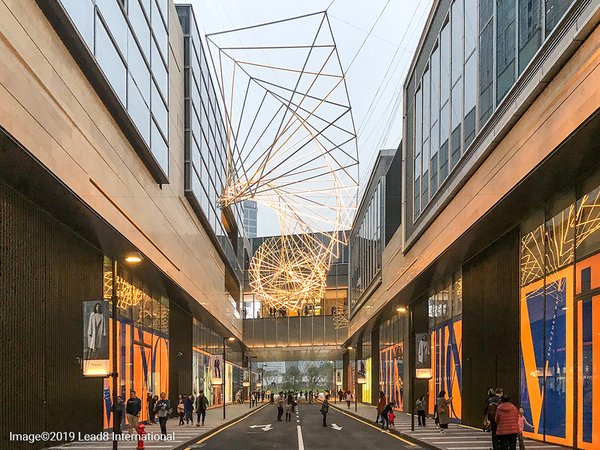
{"points": [[45, 272], [490, 325]]}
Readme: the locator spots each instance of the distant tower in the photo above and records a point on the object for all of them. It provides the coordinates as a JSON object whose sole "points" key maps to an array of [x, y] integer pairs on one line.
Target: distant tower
{"points": [[250, 214]]}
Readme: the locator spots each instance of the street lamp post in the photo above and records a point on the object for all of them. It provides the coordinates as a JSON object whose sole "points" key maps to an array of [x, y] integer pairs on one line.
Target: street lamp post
{"points": [[114, 375], [133, 258], [250, 379], [224, 375], [355, 381]]}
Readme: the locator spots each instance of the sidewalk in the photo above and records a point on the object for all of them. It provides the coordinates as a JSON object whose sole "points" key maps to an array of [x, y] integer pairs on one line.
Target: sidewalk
{"points": [[458, 437], [184, 435]]}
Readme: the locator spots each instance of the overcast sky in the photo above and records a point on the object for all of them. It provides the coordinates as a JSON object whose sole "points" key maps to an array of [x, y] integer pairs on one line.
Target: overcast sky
{"points": [[376, 74]]}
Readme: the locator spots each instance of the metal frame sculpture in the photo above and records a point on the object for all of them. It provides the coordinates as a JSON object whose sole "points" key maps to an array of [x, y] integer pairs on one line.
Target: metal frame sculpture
{"points": [[291, 145]]}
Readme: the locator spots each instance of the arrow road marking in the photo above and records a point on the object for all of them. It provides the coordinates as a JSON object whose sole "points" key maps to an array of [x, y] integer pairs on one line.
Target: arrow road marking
{"points": [[335, 427], [263, 427]]}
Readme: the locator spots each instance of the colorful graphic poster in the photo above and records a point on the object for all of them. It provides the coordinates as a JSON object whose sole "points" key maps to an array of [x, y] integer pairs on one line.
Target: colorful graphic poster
{"points": [[96, 362], [391, 374], [446, 364], [547, 353]]}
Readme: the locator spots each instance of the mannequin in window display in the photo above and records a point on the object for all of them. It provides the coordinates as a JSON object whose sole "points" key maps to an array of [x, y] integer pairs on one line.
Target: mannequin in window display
{"points": [[96, 332]]}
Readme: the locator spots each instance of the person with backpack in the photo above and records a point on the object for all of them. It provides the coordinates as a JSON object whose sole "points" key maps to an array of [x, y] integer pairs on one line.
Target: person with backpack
{"points": [[507, 424], [201, 406], [163, 410], [443, 411], [490, 411], [421, 410], [325, 409]]}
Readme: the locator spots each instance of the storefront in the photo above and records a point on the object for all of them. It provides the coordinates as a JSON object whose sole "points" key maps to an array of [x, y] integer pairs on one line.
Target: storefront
{"points": [[560, 318], [142, 342]]}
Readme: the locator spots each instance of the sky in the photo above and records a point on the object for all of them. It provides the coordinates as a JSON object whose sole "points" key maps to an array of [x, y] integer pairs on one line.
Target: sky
{"points": [[376, 40]]}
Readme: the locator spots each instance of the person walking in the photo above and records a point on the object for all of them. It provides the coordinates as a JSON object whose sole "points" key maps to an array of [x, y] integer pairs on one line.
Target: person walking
{"points": [[421, 410], [490, 410], [118, 410], [387, 409], [132, 409], [522, 422], [380, 405], [349, 398], [288, 407], [163, 409], [151, 403], [507, 421], [188, 409], [325, 409], [340, 395], [443, 406], [181, 409], [201, 406], [279, 406]]}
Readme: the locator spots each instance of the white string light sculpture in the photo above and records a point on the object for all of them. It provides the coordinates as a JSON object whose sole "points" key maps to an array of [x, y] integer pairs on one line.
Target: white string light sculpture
{"points": [[291, 146]]}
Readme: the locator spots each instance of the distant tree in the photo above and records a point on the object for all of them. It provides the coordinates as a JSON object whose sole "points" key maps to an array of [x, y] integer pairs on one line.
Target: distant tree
{"points": [[314, 375], [292, 377]]}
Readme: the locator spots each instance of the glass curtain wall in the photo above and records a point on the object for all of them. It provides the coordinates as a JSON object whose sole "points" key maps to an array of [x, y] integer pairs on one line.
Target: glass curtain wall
{"points": [[130, 43], [365, 248], [393, 335], [560, 287], [445, 328], [142, 342], [490, 40]]}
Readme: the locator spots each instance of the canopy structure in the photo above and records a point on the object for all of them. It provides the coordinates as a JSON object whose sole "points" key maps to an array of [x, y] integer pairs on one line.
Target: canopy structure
{"points": [[291, 145]]}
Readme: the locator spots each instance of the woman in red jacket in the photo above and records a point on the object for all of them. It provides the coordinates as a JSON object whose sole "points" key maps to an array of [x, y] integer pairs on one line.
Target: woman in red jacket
{"points": [[507, 418]]}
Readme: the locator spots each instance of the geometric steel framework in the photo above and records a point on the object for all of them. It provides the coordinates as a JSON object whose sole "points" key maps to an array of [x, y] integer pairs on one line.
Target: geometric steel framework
{"points": [[549, 247], [291, 145]]}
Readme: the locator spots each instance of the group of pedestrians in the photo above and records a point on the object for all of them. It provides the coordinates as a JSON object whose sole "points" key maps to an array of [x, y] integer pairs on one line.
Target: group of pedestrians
{"points": [[186, 406], [157, 407], [505, 421]]}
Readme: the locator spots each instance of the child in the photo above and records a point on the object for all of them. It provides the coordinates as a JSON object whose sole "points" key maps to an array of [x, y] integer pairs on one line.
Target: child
{"points": [[391, 417], [522, 423]]}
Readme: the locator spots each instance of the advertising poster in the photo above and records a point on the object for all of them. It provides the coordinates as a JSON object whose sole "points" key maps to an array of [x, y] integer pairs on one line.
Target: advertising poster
{"points": [[423, 356], [338, 377], [216, 369], [96, 362]]}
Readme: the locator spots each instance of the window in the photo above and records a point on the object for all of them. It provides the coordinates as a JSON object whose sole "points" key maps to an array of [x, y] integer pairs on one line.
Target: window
{"points": [[486, 60], [425, 151], [505, 47], [457, 40], [82, 15], [470, 99], [417, 157], [530, 30], [138, 110], [434, 140], [555, 10], [457, 98], [110, 61]]}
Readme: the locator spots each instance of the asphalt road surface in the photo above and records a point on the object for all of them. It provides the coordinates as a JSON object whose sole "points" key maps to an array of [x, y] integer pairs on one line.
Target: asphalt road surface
{"points": [[305, 432]]}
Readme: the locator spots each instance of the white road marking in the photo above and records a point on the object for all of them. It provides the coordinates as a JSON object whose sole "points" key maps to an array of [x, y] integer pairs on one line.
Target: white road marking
{"points": [[300, 440], [335, 427]]}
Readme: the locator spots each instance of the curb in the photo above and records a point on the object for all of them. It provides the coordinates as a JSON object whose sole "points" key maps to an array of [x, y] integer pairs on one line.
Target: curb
{"points": [[209, 433], [408, 437]]}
